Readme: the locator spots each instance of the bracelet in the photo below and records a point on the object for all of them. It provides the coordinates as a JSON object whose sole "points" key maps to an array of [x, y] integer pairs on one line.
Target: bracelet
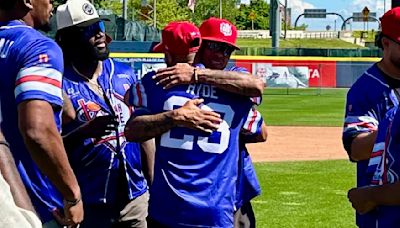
{"points": [[72, 202], [196, 76], [4, 143]]}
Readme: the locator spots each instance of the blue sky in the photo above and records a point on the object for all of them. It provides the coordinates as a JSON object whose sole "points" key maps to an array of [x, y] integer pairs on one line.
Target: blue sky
{"points": [[343, 7]]}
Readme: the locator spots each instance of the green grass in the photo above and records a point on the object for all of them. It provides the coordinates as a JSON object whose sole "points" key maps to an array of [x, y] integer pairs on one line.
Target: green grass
{"points": [[297, 43], [304, 194], [368, 36], [303, 107]]}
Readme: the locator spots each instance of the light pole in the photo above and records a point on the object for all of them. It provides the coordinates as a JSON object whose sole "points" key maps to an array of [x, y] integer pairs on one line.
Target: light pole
{"points": [[285, 18], [220, 8], [155, 14], [384, 6]]}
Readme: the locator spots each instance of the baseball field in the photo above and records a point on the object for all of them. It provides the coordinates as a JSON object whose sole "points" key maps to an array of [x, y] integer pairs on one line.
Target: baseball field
{"points": [[303, 168]]}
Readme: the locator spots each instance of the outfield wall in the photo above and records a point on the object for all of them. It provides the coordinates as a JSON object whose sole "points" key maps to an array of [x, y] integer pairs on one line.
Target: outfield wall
{"points": [[294, 72]]}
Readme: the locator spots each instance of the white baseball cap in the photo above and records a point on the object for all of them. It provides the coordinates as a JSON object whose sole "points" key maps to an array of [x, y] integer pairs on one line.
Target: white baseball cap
{"points": [[76, 13]]}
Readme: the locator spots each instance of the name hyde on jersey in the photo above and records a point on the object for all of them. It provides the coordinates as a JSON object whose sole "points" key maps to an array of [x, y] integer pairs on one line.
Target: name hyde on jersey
{"points": [[202, 90]]}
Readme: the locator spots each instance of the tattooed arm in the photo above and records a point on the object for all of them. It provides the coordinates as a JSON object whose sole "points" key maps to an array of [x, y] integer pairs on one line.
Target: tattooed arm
{"points": [[142, 128]]}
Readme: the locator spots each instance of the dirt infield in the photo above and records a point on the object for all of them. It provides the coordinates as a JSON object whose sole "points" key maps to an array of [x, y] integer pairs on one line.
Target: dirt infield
{"points": [[299, 143]]}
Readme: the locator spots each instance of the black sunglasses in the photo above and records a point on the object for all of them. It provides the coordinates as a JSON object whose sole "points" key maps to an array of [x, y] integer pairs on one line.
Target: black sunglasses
{"points": [[93, 29], [220, 47]]}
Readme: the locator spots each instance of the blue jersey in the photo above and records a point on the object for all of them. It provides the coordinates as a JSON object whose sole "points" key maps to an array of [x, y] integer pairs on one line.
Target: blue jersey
{"points": [[248, 186], [96, 162], [385, 160], [368, 100], [194, 173], [31, 69]]}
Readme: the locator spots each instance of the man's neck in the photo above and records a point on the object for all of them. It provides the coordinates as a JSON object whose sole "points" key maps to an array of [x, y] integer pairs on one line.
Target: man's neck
{"points": [[389, 69], [88, 70], [16, 15]]}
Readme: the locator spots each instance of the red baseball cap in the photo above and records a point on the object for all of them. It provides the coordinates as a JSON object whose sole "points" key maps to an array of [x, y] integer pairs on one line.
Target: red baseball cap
{"points": [[179, 37], [220, 30], [390, 22]]}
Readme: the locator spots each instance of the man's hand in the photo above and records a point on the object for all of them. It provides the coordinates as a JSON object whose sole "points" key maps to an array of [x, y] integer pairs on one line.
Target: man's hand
{"points": [[190, 115], [181, 73], [73, 214], [361, 200], [99, 126]]}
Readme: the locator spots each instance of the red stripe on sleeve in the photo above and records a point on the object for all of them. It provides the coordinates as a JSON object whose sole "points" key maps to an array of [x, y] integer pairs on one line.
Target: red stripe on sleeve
{"points": [[37, 78]]}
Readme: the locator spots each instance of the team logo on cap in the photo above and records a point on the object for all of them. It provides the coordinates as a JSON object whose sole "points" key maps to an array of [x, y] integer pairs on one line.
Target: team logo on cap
{"points": [[88, 9], [225, 29]]}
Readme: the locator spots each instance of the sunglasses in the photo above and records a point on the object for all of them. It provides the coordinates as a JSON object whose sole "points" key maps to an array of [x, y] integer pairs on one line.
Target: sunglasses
{"points": [[94, 29], [220, 47]]}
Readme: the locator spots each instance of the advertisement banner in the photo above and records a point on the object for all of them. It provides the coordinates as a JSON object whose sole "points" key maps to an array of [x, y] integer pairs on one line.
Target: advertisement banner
{"points": [[282, 76], [292, 73], [276, 73], [142, 66]]}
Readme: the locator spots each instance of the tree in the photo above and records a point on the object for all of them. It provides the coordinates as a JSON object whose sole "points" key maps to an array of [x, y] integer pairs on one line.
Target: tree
{"points": [[259, 9], [205, 9]]}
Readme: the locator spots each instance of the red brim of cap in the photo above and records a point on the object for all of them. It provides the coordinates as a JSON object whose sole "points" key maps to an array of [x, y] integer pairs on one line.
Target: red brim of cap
{"points": [[220, 40], [159, 48]]}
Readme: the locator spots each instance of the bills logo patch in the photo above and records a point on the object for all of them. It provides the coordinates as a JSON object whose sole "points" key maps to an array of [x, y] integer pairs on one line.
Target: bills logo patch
{"points": [[88, 9], [225, 29]]}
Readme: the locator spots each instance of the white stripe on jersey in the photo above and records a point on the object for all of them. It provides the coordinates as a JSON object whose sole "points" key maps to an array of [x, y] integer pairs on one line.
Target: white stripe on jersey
{"points": [[40, 71], [372, 76], [38, 86], [252, 121], [378, 147], [15, 26], [375, 161]]}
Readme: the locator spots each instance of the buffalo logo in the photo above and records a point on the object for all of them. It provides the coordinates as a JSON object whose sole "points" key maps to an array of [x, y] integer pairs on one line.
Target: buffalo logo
{"points": [[87, 110], [88, 9], [225, 29]]}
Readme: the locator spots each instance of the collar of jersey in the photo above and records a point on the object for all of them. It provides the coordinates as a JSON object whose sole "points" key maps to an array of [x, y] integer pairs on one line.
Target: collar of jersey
{"points": [[13, 24]]}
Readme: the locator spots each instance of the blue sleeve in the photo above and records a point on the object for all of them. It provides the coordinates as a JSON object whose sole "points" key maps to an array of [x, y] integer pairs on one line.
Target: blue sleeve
{"points": [[137, 95], [40, 76], [360, 117], [253, 125]]}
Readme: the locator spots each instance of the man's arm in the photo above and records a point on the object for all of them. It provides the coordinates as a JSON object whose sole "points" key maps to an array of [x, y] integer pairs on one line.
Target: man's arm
{"points": [[362, 145], [12, 177], [231, 81], [142, 128], [68, 113], [262, 137], [148, 151], [365, 199], [44, 142], [95, 128]]}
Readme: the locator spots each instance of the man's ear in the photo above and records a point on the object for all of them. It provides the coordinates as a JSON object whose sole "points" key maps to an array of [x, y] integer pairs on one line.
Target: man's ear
{"points": [[28, 4]]}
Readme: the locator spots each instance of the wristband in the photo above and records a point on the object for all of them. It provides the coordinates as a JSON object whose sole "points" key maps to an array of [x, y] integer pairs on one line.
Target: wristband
{"points": [[4, 143], [196, 76], [72, 202]]}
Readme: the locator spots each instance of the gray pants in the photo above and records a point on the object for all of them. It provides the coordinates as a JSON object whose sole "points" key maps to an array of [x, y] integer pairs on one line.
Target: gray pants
{"points": [[104, 216]]}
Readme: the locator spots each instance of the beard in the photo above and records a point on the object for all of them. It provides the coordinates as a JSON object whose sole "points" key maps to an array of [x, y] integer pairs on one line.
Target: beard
{"points": [[45, 27], [101, 54]]}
